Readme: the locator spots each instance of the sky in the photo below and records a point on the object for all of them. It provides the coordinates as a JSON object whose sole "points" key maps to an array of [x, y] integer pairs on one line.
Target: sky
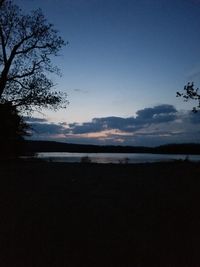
{"points": [[121, 70]]}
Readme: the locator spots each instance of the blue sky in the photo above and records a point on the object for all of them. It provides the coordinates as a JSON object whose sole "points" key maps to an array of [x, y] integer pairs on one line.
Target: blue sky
{"points": [[123, 56]]}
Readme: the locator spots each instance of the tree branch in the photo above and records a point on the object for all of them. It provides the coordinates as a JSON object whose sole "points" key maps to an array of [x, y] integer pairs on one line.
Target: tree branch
{"points": [[35, 67], [21, 84], [34, 46]]}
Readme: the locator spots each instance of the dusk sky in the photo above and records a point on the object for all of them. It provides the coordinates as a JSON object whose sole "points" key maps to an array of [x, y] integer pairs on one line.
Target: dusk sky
{"points": [[121, 70]]}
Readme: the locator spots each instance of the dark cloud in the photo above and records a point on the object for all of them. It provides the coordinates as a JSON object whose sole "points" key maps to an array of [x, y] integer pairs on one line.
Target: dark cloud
{"points": [[119, 123], [80, 91], [194, 117], [34, 120], [87, 127], [151, 126], [41, 126], [47, 128], [158, 114], [147, 116]]}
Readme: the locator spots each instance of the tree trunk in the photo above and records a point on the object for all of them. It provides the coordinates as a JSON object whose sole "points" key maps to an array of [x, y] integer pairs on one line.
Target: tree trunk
{"points": [[2, 86], [1, 3], [5, 71], [3, 80]]}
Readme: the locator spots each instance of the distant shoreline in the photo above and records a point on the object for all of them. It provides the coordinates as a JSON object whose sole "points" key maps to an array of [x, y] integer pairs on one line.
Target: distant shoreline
{"points": [[51, 146]]}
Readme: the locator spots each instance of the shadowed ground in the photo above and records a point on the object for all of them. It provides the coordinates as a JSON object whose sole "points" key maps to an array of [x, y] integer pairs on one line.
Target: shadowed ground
{"points": [[56, 214]]}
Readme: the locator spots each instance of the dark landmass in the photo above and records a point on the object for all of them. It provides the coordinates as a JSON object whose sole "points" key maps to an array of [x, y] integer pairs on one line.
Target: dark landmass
{"points": [[74, 215], [49, 146]]}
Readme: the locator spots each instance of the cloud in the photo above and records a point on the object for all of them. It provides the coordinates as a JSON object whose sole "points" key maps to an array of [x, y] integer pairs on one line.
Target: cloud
{"points": [[151, 126], [194, 117], [47, 128], [34, 120], [158, 114], [80, 91], [41, 129]]}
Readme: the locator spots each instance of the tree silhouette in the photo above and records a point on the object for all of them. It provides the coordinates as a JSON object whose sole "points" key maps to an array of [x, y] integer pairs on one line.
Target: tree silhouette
{"points": [[191, 93], [27, 43], [13, 128]]}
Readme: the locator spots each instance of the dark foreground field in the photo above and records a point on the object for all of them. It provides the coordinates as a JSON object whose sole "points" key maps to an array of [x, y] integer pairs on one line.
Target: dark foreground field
{"points": [[55, 214]]}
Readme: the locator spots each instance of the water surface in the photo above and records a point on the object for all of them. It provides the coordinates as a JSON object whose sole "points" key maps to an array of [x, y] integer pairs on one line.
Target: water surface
{"points": [[112, 157]]}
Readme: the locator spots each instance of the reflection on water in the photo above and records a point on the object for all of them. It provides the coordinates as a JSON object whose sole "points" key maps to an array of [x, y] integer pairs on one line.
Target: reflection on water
{"points": [[123, 158]]}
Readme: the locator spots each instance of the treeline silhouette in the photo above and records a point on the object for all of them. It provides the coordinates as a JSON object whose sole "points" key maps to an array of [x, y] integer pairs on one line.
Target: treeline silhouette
{"points": [[51, 146]]}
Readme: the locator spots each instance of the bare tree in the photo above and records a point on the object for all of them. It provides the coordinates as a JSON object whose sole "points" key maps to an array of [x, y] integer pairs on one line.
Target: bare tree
{"points": [[191, 93], [27, 43]]}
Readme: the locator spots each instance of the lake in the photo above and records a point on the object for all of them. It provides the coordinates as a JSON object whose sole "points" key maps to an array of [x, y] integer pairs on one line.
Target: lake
{"points": [[120, 158]]}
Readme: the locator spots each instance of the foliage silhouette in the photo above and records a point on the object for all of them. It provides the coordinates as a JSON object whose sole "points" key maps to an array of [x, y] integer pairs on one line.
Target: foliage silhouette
{"points": [[27, 43], [191, 93], [13, 128]]}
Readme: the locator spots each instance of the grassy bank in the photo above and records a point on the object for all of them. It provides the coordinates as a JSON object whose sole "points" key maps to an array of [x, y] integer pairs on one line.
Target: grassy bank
{"points": [[56, 214]]}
